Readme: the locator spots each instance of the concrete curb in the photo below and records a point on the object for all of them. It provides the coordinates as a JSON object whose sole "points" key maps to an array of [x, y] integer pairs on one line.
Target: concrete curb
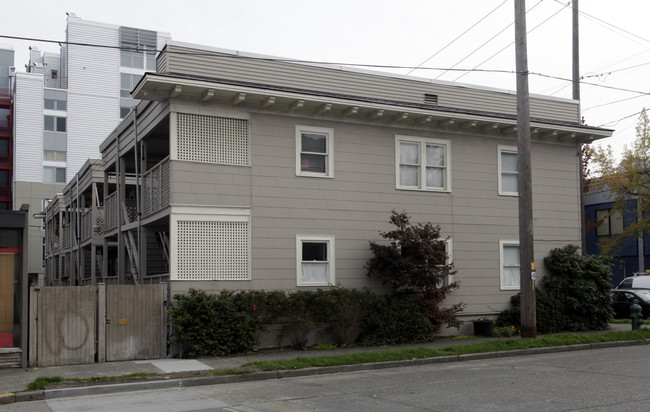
{"points": [[257, 376]]}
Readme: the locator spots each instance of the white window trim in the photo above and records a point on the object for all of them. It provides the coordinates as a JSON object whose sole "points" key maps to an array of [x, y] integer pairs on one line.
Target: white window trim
{"points": [[331, 259], [450, 259], [422, 178], [329, 132], [503, 243], [504, 149]]}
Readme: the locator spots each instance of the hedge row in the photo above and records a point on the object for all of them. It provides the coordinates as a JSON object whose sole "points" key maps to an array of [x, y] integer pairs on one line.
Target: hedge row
{"points": [[216, 324]]}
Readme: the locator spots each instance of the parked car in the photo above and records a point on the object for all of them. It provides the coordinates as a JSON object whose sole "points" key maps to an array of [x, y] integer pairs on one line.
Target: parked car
{"points": [[635, 282], [623, 298]]}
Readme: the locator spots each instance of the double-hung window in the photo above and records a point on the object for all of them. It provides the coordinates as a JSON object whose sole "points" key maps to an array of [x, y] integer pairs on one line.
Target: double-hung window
{"points": [[449, 279], [508, 173], [423, 163], [314, 151], [509, 260], [610, 222], [315, 260]]}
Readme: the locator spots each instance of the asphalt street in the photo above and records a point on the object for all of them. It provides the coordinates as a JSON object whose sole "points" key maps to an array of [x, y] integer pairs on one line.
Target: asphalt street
{"points": [[596, 380]]}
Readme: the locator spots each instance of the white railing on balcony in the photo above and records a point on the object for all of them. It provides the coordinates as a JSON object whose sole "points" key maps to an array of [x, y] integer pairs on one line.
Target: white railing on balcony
{"points": [[155, 188]]}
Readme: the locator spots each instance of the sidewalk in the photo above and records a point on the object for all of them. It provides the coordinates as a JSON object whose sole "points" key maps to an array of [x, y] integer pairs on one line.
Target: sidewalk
{"points": [[16, 380]]}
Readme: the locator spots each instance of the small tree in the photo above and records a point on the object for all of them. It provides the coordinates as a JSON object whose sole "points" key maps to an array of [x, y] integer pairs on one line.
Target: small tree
{"points": [[627, 181], [416, 258]]}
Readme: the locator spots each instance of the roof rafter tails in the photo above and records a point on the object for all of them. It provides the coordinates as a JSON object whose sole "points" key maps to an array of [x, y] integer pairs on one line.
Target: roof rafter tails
{"points": [[238, 99], [162, 86]]}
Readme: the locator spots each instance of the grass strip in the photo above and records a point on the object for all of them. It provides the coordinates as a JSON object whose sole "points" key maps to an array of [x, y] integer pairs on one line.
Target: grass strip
{"points": [[561, 339], [226, 372], [42, 381]]}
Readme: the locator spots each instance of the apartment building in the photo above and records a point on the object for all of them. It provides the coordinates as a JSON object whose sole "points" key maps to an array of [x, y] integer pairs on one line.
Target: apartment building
{"points": [[66, 103], [6, 128], [240, 172]]}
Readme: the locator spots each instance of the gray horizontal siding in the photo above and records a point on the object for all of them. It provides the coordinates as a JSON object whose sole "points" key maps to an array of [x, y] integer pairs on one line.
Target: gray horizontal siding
{"points": [[355, 205], [180, 60]]}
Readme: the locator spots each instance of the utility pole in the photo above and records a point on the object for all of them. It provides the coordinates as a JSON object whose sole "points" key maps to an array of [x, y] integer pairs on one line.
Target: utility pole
{"points": [[524, 186], [576, 96], [576, 55]]}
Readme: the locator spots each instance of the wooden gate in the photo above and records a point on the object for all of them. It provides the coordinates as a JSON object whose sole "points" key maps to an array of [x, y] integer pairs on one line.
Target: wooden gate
{"points": [[85, 324], [62, 325], [136, 320]]}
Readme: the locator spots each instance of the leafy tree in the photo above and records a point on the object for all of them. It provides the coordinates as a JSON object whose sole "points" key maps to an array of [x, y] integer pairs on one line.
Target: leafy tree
{"points": [[416, 258], [626, 181]]}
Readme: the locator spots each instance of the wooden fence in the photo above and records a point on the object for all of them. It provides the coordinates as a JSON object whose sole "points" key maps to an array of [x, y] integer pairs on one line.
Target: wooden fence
{"points": [[86, 324]]}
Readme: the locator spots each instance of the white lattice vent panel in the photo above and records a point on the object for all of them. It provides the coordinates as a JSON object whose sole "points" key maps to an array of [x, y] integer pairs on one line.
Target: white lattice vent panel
{"points": [[209, 250], [212, 139]]}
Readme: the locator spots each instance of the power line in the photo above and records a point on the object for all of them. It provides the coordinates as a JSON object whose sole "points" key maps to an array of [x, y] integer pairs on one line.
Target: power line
{"points": [[621, 119], [615, 71], [461, 35], [282, 60], [489, 40], [609, 24], [510, 44]]}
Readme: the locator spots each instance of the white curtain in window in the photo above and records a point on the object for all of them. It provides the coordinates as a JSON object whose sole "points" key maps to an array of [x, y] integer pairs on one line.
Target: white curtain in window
{"points": [[435, 156], [509, 183], [314, 272], [435, 177], [409, 158], [511, 265], [511, 276]]}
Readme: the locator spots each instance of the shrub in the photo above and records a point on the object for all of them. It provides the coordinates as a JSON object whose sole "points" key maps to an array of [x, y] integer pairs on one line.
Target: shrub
{"points": [[583, 286], [343, 311], [575, 296], [300, 318], [208, 324], [396, 319], [416, 258]]}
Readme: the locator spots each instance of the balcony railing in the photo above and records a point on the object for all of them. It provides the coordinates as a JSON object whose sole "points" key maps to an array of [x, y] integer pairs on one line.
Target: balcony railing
{"points": [[92, 223], [55, 82], [155, 190], [111, 208]]}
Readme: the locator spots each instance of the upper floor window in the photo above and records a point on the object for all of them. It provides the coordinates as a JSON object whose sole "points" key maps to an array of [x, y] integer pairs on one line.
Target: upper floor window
{"points": [[54, 104], [423, 163], [53, 174], [138, 48], [54, 156], [127, 83], [508, 174], [610, 222], [4, 148], [510, 262], [54, 124], [314, 151]]}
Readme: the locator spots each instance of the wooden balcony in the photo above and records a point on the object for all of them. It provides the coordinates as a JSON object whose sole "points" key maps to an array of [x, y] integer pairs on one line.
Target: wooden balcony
{"points": [[155, 188]]}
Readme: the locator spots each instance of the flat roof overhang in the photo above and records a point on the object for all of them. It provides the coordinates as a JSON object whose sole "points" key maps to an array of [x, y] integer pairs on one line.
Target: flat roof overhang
{"points": [[159, 87]]}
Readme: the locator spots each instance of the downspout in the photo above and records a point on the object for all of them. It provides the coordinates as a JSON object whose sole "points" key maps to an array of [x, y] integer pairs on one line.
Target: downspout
{"points": [[78, 235], [137, 192]]}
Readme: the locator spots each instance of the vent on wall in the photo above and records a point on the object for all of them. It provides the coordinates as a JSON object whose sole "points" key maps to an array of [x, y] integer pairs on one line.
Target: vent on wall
{"points": [[431, 99]]}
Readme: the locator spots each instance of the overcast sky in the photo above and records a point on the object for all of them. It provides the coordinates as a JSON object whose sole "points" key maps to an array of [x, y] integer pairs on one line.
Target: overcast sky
{"points": [[614, 40]]}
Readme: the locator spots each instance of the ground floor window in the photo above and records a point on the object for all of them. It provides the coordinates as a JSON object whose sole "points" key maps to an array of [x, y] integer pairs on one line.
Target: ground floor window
{"points": [[509, 253], [315, 260]]}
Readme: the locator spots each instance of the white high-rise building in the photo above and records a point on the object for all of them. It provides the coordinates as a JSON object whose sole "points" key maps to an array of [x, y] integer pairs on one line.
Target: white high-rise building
{"points": [[66, 104]]}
